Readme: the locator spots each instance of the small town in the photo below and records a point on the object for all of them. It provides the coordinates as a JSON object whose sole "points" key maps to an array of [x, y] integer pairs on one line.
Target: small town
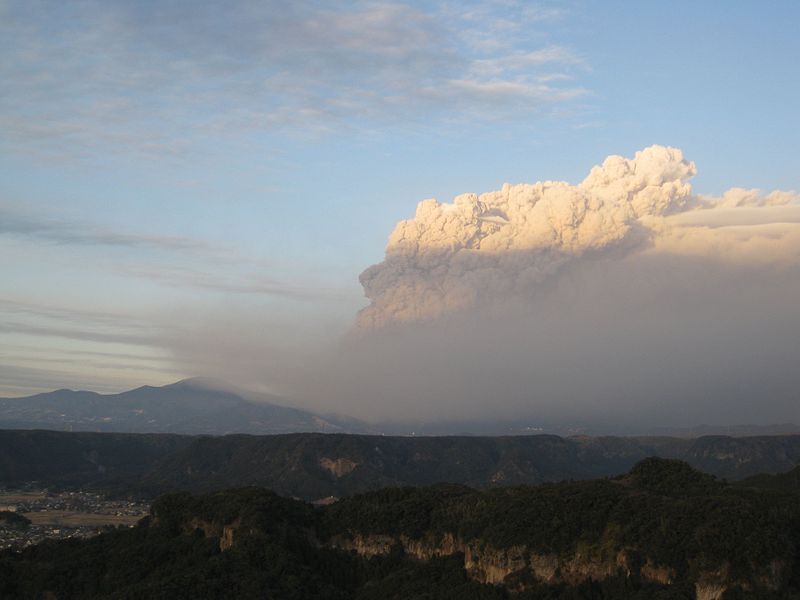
{"points": [[29, 516]]}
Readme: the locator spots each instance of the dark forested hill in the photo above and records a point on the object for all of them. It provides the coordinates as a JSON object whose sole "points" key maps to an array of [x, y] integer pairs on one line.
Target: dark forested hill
{"points": [[75, 459], [313, 466], [781, 481], [662, 530]]}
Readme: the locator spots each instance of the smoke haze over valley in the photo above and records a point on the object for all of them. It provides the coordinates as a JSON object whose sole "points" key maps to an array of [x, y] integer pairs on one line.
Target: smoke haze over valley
{"points": [[627, 299]]}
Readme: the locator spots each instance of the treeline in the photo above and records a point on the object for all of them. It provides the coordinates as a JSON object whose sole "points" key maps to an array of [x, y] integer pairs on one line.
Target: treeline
{"points": [[252, 543], [314, 466], [12, 520], [662, 511]]}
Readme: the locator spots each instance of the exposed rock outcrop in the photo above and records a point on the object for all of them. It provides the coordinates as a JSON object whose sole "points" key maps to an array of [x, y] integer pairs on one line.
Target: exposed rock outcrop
{"points": [[225, 533], [487, 564], [658, 573], [338, 467]]}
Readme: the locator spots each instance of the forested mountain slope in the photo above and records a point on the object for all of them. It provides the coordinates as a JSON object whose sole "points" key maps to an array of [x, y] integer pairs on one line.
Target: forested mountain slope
{"points": [[313, 466], [662, 530]]}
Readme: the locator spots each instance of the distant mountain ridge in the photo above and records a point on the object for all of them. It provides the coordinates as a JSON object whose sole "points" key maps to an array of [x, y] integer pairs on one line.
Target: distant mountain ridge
{"points": [[314, 466], [191, 406], [204, 406]]}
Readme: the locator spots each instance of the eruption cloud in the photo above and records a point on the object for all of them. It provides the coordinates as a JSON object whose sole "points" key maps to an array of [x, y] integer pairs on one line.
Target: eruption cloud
{"points": [[489, 250], [619, 304]]}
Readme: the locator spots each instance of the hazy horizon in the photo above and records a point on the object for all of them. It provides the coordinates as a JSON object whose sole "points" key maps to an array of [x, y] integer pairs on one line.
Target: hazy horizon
{"points": [[550, 212]]}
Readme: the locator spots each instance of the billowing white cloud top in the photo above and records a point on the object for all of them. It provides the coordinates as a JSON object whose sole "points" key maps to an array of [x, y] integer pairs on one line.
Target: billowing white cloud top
{"points": [[496, 247]]}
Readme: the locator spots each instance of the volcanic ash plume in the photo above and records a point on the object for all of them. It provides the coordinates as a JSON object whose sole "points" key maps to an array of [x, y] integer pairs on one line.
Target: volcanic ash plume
{"points": [[498, 245], [489, 249]]}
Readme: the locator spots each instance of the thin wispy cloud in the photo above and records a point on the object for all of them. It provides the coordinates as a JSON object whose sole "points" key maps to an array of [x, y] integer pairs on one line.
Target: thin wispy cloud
{"points": [[22, 381], [523, 61], [52, 345], [72, 363], [232, 284], [155, 255], [109, 337], [65, 232], [127, 358], [9, 306], [152, 77], [498, 26], [167, 260], [40, 321]]}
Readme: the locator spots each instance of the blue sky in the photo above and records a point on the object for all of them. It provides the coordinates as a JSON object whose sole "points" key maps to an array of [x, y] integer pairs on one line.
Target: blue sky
{"points": [[167, 164]]}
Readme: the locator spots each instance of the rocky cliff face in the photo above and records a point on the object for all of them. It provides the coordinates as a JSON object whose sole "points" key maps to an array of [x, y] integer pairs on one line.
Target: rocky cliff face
{"points": [[338, 467], [663, 525], [487, 564], [225, 533]]}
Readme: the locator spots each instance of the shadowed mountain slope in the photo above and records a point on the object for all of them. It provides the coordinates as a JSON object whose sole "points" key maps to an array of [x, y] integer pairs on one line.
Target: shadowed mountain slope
{"points": [[189, 406], [314, 466], [780, 481]]}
